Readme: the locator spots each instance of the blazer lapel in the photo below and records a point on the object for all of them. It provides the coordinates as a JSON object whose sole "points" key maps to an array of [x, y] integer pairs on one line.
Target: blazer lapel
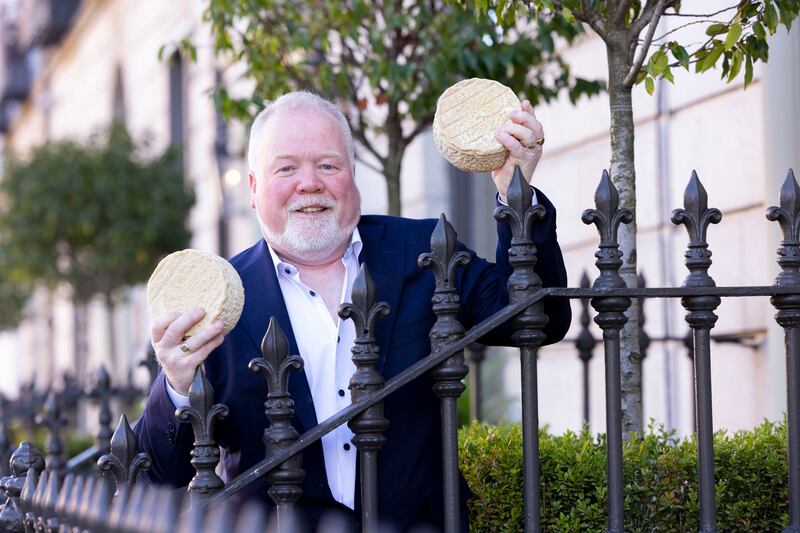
{"points": [[263, 299], [385, 260]]}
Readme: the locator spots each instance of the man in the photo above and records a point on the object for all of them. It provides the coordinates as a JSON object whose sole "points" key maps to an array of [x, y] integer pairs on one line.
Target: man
{"points": [[301, 160]]}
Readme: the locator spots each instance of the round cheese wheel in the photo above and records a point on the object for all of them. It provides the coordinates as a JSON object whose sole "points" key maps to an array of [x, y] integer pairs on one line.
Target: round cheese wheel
{"points": [[188, 279], [467, 117]]}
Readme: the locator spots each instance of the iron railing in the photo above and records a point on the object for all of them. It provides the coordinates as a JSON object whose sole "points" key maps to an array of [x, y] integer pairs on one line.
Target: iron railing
{"points": [[282, 465]]}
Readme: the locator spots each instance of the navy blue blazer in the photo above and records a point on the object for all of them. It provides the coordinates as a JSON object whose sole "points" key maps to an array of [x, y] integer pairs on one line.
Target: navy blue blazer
{"points": [[410, 465]]}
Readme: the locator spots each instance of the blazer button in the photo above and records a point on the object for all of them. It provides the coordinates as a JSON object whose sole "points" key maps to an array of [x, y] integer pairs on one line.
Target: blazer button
{"points": [[171, 432]]}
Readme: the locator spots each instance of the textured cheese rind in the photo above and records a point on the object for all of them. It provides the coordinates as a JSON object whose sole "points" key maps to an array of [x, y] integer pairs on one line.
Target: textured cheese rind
{"points": [[467, 117], [188, 279]]}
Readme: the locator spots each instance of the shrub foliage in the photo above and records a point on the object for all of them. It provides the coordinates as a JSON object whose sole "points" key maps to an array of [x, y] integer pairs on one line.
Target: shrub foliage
{"points": [[660, 476]]}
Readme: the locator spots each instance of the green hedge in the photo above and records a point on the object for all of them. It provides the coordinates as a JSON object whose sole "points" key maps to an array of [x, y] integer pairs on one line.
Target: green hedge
{"points": [[660, 476]]}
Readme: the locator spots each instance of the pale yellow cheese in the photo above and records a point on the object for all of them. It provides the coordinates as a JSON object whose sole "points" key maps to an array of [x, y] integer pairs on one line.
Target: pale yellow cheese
{"points": [[467, 117], [188, 279]]}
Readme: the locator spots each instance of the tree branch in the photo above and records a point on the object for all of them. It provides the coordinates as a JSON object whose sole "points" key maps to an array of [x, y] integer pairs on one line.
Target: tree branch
{"points": [[655, 12], [644, 18], [421, 125], [594, 21], [704, 21], [701, 15], [363, 141], [622, 9], [369, 165]]}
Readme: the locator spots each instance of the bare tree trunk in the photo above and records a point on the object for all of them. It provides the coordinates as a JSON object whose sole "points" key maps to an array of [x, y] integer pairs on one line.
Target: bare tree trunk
{"points": [[81, 350], [623, 175], [391, 172], [394, 158], [113, 363]]}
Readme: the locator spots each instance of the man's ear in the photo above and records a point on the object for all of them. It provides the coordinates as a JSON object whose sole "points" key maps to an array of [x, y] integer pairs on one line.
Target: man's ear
{"points": [[252, 179]]}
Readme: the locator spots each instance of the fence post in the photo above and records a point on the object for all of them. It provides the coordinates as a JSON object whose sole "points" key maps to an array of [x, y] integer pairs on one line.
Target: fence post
{"points": [[520, 214], [151, 364], [788, 317], [369, 426], [585, 344], [611, 318], [697, 216], [448, 377], [476, 353], [275, 365], [53, 420], [101, 393], [124, 461], [6, 447], [203, 414]]}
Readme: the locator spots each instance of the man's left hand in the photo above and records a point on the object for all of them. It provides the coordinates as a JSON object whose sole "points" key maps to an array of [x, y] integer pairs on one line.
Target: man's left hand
{"points": [[518, 137]]}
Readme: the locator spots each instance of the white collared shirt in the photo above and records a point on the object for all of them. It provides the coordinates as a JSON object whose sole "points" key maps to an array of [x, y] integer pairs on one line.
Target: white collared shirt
{"points": [[324, 345]]}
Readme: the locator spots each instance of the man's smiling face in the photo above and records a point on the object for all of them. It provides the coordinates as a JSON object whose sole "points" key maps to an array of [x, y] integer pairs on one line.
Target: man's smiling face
{"points": [[304, 194]]}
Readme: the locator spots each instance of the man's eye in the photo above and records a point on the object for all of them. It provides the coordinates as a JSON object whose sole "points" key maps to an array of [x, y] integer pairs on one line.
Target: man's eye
{"points": [[287, 168], [327, 166]]}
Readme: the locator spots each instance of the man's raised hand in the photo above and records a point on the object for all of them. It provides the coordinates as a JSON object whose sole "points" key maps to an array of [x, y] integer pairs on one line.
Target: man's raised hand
{"points": [[523, 138]]}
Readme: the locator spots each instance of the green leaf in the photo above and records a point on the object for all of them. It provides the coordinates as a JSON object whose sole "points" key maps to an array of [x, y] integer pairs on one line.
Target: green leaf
{"points": [[567, 14], [649, 85], [733, 36], [770, 17], [716, 29], [748, 71], [736, 65], [712, 57], [758, 30], [680, 53]]}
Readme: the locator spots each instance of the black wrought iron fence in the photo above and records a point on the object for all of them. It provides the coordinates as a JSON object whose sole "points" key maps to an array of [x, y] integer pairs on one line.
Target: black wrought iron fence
{"points": [[39, 500]]}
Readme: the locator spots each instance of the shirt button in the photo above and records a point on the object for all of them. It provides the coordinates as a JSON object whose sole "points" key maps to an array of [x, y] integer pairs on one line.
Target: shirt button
{"points": [[287, 270], [341, 393], [338, 339], [346, 447], [312, 293]]}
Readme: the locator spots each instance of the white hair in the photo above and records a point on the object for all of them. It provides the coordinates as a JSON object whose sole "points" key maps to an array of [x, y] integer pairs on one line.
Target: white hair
{"points": [[292, 101]]}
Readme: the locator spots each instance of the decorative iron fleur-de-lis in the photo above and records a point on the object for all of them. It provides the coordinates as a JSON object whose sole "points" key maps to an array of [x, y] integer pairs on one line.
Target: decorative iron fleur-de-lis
{"points": [[364, 312], [25, 459], [788, 216], [203, 413], [101, 393], [520, 213], [275, 365], [53, 420], [124, 461], [697, 216], [443, 260], [607, 217]]}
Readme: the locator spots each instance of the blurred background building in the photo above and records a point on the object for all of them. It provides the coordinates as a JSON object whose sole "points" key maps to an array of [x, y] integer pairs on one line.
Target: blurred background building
{"points": [[68, 68]]}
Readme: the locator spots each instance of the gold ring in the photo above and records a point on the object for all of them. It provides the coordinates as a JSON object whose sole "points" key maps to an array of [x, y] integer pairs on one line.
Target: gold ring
{"points": [[185, 348], [540, 142]]}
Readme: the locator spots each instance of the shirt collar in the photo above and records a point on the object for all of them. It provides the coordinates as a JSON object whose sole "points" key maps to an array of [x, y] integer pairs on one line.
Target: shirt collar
{"points": [[282, 267]]}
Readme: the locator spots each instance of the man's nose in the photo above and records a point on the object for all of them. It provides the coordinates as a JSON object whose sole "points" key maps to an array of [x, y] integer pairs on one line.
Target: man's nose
{"points": [[310, 182]]}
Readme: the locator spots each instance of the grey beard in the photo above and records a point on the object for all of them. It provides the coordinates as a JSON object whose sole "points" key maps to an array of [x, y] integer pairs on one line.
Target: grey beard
{"points": [[309, 240]]}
